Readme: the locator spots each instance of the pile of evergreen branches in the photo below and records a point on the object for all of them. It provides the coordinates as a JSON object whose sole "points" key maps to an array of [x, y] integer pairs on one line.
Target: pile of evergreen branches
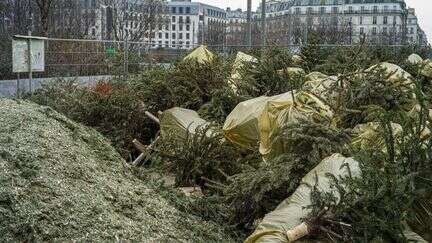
{"points": [[239, 187]]}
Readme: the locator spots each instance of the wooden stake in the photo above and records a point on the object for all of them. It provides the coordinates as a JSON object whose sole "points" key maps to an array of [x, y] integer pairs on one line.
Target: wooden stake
{"points": [[153, 117], [145, 150], [141, 147], [139, 159]]}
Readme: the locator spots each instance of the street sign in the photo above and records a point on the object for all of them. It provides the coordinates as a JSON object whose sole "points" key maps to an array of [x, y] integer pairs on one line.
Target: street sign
{"points": [[111, 51], [20, 54]]}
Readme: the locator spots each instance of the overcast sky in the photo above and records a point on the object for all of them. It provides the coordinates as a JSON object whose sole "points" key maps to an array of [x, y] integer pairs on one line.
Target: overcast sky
{"points": [[423, 9]]}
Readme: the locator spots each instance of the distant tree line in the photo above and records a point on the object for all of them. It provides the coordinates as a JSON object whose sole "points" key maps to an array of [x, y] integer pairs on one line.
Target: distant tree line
{"points": [[135, 19]]}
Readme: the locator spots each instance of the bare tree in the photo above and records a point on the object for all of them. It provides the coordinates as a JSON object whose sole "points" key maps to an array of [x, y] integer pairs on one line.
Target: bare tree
{"points": [[72, 19], [137, 19], [14, 16], [44, 7]]}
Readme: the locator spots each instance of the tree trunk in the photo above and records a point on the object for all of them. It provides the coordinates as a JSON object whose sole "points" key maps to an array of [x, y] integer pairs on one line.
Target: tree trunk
{"points": [[44, 10]]}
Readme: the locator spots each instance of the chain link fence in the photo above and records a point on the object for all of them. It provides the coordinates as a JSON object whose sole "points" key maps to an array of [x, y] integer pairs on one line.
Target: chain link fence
{"points": [[93, 60], [78, 57]]}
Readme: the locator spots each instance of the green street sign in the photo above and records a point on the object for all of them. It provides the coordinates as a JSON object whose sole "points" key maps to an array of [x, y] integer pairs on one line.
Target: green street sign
{"points": [[111, 51]]}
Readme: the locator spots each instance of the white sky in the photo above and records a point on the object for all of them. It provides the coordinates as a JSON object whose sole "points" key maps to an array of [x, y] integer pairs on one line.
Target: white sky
{"points": [[423, 9]]}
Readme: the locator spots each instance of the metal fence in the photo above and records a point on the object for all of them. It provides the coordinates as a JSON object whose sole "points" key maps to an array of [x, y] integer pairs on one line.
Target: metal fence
{"points": [[79, 57], [103, 58], [82, 57]]}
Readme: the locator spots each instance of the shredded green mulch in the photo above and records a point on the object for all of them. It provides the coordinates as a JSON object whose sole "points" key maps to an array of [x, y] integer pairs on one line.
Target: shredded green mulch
{"points": [[61, 181]]}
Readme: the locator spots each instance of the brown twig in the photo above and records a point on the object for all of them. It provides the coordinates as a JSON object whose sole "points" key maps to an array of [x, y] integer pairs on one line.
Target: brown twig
{"points": [[331, 233]]}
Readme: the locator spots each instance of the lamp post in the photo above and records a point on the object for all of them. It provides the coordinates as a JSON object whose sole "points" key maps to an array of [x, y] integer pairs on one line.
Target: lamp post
{"points": [[30, 24], [249, 23], [263, 23], [29, 47]]}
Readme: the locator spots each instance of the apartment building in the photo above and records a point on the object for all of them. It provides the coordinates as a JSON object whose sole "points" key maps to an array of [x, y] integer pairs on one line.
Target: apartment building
{"points": [[414, 33], [190, 24], [236, 26], [180, 24], [379, 21], [183, 24]]}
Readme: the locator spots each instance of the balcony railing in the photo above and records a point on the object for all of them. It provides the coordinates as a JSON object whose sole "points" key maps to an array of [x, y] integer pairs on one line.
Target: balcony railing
{"points": [[382, 11], [346, 12]]}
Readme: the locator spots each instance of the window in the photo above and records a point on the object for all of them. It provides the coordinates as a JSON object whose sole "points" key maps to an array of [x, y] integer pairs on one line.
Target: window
{"points": [[188, 10], [374, 30], [411, 30], [187, 19], [166, 43], [174, 10], [362, 30], [335, 9], [173, 35], [384, 30], [160, 35], [322, 9], [181, 27], [361, 20], [166, 35], [180, 35], [297, 10], [173, 19], [374, 20], [385, 20], [187, 36], [350, 9], [187, 27], [375, 9], [173, 27], [181, 19], [181, 10], [173, 44]]}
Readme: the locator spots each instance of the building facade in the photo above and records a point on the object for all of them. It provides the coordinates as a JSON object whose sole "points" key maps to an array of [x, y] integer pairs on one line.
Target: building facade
{"points": [[414, 32], [236, 27], [342, 21], [183, 24], [190, 24]]}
